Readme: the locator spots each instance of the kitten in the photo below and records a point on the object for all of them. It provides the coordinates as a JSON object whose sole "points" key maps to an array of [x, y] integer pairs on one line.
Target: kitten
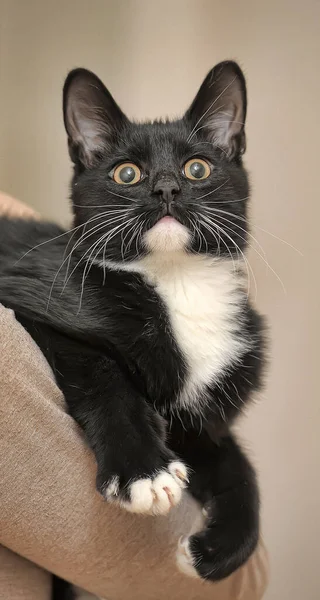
{"points": [[142, 311]]}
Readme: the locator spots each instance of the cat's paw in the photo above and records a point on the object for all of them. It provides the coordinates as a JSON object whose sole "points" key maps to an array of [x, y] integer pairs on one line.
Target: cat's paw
{"points": [[158, 494], [215, 552], [185, 561], [152, 495]]}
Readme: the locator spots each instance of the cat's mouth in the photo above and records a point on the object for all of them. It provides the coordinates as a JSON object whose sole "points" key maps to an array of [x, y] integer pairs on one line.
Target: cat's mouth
{"points": [[168, 217], [168, 233], [167, 222]]}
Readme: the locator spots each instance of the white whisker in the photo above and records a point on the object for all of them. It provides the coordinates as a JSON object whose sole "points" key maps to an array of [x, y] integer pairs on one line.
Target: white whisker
{"points": [[262, 258], [279, 239], [95, 218], [104, 240], [82, 238], [139, 237], [255, 226], [121, 196], [131, 239], [216, 210], [208, 224], [200, 233], [238, 249], [212, 191], [56, 237], [221, 202], [87, 269], [123, 247], [89, 206]]}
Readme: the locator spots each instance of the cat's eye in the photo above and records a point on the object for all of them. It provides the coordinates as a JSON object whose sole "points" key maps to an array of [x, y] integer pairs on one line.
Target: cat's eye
{"points": [[126, 174], [197, 168]]}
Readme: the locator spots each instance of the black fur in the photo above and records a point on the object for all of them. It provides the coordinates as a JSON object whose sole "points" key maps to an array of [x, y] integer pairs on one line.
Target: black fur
{"points": [[61, 590], [106, 332]]}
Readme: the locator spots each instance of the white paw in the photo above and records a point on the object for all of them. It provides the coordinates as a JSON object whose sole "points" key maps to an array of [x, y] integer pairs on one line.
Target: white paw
{"points": [[157, 495], [185, 562]]}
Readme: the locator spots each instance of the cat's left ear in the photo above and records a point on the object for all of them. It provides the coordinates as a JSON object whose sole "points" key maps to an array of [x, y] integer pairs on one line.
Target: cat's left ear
{"points": [[92, 118], [218, 111]]}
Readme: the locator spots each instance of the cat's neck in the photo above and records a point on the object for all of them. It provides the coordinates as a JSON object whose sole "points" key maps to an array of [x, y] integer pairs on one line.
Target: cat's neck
{"points": [[178, 263]]}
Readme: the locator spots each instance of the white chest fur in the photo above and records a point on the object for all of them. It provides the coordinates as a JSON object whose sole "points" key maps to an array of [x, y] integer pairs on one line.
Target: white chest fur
{"points": [[204, 299]]}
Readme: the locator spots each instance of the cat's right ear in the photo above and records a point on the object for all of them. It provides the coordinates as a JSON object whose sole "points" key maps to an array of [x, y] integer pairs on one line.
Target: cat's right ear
{"points": [[91, 116], [218, 111]]}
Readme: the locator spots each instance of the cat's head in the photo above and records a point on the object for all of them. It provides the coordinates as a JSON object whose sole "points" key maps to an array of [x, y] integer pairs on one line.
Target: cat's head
{"points": [[163, 186]]}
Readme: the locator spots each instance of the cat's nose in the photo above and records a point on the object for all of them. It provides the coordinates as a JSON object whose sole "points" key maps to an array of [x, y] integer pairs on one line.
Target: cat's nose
{"points": [[167, 189]]}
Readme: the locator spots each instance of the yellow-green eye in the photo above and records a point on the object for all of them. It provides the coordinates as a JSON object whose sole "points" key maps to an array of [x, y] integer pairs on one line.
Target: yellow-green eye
{"points": [[197, 168], [127, 174]]}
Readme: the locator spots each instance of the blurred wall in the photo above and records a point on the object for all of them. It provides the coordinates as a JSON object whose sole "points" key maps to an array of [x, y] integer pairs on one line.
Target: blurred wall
{"points": [[153, 56]]}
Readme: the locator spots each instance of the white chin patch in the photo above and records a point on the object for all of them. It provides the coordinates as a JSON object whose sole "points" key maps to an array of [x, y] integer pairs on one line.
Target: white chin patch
{"points": [[168, 235]]}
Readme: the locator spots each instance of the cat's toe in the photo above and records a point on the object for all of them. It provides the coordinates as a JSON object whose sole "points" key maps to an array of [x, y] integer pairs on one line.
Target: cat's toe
{"points": [[185, 560], [158, 494], [166, 491], [179, 471], [111, 490]]}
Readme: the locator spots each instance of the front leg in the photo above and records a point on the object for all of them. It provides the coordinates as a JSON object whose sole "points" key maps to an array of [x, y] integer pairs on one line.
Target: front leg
{"points": [[224, 482], [134, 466]]}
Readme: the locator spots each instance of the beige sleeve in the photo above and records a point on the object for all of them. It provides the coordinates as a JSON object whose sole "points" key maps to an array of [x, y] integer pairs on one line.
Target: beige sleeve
{"points": [[14, 208], [51, 514], [21, 579]]}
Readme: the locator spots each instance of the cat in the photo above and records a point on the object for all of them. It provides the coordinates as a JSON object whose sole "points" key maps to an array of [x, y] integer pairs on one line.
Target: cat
{"points": [[142, 308]]}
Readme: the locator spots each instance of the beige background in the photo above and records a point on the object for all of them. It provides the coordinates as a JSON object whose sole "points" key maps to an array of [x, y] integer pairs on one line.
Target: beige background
{"points": [[153, 55]]}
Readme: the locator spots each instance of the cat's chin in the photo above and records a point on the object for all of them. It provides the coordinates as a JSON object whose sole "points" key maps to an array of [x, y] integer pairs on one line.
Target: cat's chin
{"points": [[167, 235]]}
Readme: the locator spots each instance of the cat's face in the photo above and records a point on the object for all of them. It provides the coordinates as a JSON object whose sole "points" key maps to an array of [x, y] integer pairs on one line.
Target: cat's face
{"points": [[163, 186]]}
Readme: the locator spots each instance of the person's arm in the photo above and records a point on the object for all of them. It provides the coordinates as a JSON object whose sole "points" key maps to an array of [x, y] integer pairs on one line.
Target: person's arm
{"points": [[52, 515], [11, 207], [135, 467]]}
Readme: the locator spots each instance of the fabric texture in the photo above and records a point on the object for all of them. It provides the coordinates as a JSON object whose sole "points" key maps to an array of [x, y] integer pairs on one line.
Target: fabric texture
{"points": [[53, 520]]}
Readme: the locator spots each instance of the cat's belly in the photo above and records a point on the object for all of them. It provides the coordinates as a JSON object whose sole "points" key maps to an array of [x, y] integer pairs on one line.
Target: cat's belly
{"points": [[205, 304]]}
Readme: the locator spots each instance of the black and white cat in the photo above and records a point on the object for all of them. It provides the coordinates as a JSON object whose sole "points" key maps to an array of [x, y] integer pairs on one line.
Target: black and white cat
{"points": [[142, 309]]}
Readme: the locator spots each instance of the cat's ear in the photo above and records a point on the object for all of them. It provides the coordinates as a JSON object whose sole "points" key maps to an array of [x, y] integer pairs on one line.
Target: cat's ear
{"points": [[91, 116], [218, 111]]}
